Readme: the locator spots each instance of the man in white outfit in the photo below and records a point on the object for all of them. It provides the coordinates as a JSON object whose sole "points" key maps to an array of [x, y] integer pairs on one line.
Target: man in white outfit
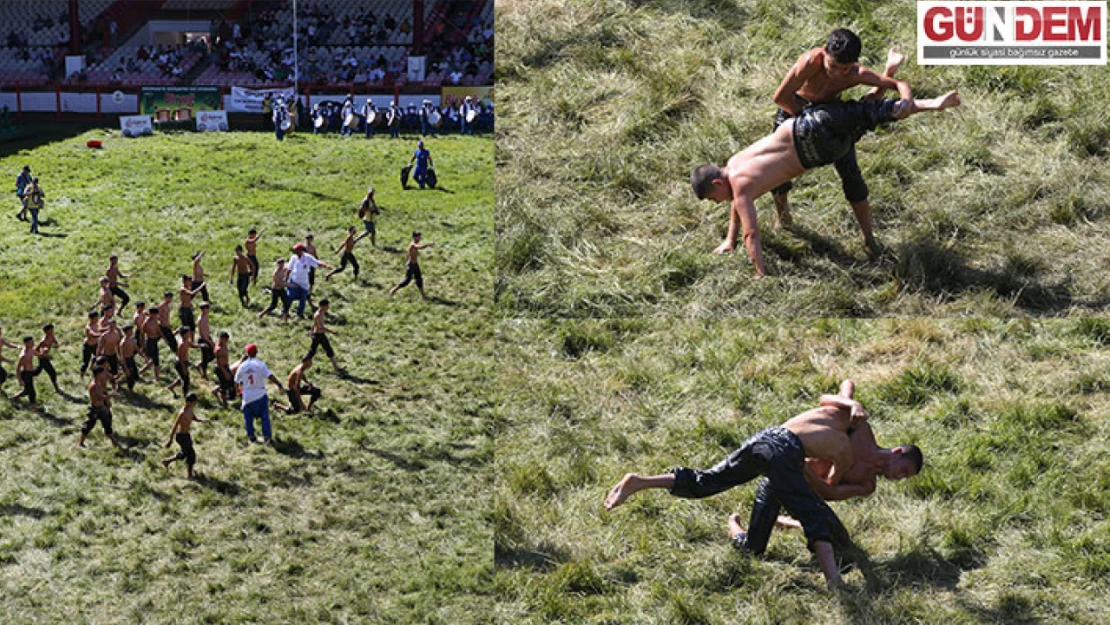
{"points": [[251, 376], [300, 263]]}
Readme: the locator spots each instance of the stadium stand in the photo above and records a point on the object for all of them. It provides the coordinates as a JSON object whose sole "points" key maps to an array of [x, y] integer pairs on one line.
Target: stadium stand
{"points": [[248, 42]]}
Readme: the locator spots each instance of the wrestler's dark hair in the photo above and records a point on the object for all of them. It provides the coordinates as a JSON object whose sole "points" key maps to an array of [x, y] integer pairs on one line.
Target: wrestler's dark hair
{"points": [[844, 45], [913, 452], [703, 177], [224, 335], [48, 327], [140, 304], [191, 398]]}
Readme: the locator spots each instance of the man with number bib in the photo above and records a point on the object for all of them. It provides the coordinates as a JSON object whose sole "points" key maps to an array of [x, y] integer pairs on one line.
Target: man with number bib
{"points": [[251, 378]]}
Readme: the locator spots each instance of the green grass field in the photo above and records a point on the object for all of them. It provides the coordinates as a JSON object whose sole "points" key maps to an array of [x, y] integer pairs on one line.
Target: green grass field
{"points": [[370, 509], [1006, 524], [997, 208]]}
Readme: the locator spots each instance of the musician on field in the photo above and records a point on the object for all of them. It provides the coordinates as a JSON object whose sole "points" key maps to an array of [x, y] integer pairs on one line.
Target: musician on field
{"points": [[346, 113], [468, 115], [281, 115], [368, 114], [394, 118], [426, 126]]}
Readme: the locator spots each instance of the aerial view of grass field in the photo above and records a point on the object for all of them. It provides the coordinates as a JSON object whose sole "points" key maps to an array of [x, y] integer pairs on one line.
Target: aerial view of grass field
{"points": [[1005, 523], [371, 507], [997, 207]]}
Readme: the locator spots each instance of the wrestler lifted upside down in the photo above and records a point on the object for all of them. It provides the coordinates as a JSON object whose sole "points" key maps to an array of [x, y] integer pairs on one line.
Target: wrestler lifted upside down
{"points": [[779, 454], [818, 136]]}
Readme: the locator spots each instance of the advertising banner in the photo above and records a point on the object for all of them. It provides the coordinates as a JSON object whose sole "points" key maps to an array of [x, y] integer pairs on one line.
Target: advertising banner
{"points": [[212, 121], [458, 94], [176, 104], [1011, 33], [244, 100], [135, 125]]}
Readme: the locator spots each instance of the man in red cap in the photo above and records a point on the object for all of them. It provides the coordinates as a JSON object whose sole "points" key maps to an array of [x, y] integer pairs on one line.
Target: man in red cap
{"points": [[251, 377]]}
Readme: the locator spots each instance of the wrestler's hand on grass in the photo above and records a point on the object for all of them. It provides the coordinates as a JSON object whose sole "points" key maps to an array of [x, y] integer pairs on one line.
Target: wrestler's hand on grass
{"points": [[725, 248]]}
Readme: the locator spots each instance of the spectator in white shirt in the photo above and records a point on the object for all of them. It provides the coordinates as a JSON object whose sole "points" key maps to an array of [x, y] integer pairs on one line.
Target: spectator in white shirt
{"points": [[251, 375]]}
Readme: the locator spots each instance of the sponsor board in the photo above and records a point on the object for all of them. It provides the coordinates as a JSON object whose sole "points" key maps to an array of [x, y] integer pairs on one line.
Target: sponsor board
{"points": [[1011, 33], [212, 121], [136, 125], [244, 100], [170, 104]]}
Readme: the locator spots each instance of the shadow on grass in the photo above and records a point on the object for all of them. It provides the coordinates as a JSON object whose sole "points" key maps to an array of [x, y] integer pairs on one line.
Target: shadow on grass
{"points": [[277, 186], [545, 558], [435, 299], [942, 272], [73, 399], [142, 401], [29, 136], [344, 374], [14, 509], [222, 487], [51, 418], [292, 448], [398, 461]]}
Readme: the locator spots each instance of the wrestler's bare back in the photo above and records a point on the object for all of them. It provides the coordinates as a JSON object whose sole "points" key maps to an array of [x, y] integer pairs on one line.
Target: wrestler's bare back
{"points": [[864, 447], [765, 164], [824, 434]]}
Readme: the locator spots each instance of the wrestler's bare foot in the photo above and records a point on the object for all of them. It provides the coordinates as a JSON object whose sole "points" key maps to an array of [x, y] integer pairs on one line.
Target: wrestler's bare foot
{"points": [[783, 219], [734, 527], [725, 247], [894, 60], [903, 108], [624, 489], [787, 522], [948, 100]]}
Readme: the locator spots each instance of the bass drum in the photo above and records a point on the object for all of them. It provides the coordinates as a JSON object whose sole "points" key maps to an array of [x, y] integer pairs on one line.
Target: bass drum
{"points": [[352, 121], [286, 125], [320, 121], [471, 116], [435, 119]]}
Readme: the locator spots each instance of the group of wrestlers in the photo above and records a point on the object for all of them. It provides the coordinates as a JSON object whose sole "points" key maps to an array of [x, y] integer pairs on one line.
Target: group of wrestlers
{"points": [[111, 349], [828, 453]]}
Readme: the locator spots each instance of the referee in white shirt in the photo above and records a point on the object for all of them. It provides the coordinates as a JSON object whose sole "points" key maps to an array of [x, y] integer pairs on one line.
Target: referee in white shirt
{"points": [[251, 378], [299, 265]]}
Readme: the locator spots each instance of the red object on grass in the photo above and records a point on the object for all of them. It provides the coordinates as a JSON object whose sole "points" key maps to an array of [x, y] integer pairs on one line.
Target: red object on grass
{"points": [[94, 144]]}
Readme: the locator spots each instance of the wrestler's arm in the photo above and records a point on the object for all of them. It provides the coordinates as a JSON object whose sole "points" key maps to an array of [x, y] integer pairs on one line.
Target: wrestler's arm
{"points": [[839, 491], [742, 217], [868, 77], [854, 408], [847, 388], [807, 65]]}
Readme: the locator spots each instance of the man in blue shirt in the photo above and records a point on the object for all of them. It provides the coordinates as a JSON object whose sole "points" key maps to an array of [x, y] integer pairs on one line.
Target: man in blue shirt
{"points": [[21, 183], [423, 159]]}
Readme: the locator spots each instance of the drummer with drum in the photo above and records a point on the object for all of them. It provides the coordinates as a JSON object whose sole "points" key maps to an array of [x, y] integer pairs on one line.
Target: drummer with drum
{"points": [[281, 119], [429, 119], [369, 116], [468, 115], [350, 120], [394, 119]]}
